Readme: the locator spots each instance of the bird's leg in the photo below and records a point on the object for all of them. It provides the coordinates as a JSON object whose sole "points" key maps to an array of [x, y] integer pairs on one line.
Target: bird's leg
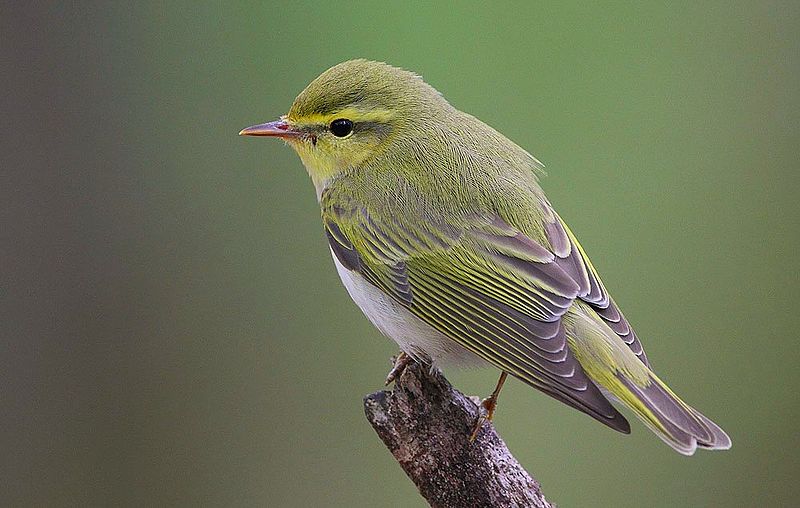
{"points": [[400, 363], [488, 405]]}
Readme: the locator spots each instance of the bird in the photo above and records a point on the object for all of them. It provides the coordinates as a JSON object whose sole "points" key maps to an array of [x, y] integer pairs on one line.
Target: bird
{"points": [[443, 237]]}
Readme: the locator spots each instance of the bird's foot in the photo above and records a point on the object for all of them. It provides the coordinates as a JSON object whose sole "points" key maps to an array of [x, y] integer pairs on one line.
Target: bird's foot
{"points": [[487, 407], [401, 361]]}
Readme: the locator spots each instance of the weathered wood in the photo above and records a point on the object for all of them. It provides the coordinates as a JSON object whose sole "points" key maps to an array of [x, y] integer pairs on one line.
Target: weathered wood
{"points": [[426, 424]]}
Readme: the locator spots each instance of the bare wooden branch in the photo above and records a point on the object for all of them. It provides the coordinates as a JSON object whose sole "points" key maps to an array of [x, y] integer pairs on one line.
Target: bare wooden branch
{"points": [[426, 424]]}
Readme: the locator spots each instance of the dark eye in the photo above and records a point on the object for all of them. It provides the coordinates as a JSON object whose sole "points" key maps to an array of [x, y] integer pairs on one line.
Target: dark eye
{"points": [[341, 127]]}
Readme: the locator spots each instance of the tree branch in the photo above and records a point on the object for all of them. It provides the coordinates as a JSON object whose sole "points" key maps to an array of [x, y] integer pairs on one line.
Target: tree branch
{"points": [[426, 424]]}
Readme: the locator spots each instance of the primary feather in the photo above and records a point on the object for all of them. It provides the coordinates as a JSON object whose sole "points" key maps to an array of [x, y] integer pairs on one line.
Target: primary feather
{"points": [[441, 232]]}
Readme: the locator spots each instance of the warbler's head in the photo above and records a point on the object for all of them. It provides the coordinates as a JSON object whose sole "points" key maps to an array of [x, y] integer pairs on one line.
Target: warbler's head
{"points": [[350, 113]]}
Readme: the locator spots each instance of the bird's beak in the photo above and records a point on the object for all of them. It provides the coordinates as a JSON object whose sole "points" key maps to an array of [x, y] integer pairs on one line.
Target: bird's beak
{"points": [[278, 128]]}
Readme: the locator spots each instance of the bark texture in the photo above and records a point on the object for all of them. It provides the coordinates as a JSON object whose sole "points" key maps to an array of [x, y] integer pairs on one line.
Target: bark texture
{"points": [[426, 424]]}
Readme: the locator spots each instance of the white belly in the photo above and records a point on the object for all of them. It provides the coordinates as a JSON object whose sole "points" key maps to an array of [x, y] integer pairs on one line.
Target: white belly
{"points": [[413, 335]]}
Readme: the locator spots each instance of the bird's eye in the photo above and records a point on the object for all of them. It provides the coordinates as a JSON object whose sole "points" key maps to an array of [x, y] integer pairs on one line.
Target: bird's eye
{"points": [[341, 127]]}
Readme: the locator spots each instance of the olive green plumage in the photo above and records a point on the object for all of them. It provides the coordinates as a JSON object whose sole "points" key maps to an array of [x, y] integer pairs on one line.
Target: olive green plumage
{"points": [[438, 223]]}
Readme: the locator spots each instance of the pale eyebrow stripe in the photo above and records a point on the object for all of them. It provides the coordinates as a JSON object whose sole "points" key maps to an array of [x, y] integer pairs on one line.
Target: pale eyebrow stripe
{"points": [[354, 114]]}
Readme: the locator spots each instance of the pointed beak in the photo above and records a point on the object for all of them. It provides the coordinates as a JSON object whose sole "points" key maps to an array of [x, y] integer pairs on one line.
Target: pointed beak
{"points": [[279, 128]]}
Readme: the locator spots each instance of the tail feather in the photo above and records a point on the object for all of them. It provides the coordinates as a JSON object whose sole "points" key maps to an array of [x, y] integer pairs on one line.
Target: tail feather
{"points": [[679, 425], [624, 377]]}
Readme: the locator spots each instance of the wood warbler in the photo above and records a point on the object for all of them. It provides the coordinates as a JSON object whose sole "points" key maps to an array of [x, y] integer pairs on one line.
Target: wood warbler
{"points": [[442, 236]]}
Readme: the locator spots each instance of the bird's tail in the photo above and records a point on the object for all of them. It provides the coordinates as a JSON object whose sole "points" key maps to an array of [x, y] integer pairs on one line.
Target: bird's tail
{"points": [[679, 425], [622, 376]]}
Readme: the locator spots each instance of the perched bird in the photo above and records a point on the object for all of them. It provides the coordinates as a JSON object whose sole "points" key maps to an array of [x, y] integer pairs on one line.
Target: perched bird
{"points": [[442, 236]]}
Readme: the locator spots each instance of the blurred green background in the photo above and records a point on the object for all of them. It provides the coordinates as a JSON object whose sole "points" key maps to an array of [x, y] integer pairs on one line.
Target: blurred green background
{"points": [[173, 330]]}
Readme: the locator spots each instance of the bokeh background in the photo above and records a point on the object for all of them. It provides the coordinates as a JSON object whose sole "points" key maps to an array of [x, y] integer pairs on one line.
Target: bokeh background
{"points": [[173, 331]]}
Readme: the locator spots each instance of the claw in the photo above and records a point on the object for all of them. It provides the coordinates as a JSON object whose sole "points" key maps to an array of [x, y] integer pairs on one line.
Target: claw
{"points": [[401, 361], [487, 407]]}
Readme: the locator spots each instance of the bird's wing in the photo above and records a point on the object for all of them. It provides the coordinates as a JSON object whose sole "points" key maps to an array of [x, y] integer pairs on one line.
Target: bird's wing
{"points": [[487, 286], [571, 257]]}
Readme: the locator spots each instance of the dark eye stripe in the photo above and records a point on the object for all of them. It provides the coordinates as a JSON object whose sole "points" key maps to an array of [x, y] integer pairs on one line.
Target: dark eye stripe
{"points": [[377, 128]]}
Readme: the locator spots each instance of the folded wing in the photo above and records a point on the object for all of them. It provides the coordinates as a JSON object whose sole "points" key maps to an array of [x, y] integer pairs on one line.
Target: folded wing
{"points": [[487, 286]]}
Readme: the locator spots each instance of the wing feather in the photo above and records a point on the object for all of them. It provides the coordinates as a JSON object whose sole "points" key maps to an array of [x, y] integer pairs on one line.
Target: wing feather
{"points": [[476, 324], [571, 257], [490, 288]]}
